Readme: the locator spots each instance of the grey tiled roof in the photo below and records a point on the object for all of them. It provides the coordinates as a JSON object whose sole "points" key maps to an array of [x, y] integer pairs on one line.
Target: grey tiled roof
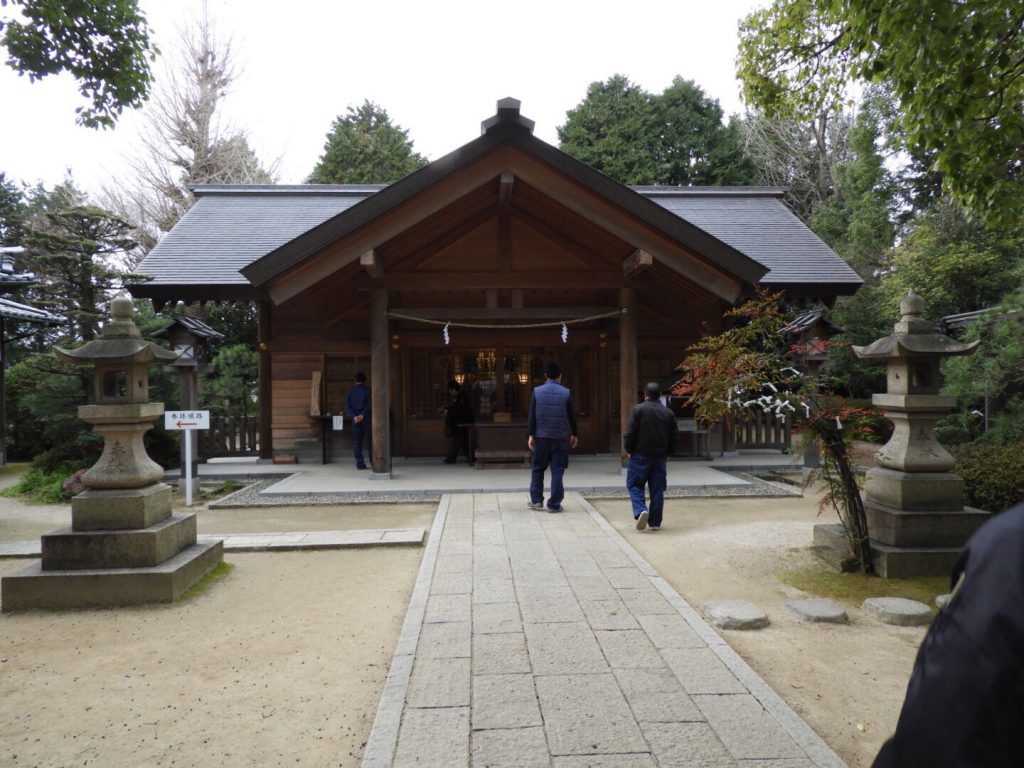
{"points": [[755, 221], [229, 227], [15, 311], [193, 325], [232, 226]]}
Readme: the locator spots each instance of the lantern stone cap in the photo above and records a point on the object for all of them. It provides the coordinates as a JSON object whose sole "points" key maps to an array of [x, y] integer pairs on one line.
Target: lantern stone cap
{"points": [[120, 340], [914, 336]]}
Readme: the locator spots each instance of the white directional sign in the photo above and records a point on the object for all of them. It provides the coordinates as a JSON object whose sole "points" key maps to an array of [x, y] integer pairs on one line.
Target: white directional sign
{"points": [[186, 419]]}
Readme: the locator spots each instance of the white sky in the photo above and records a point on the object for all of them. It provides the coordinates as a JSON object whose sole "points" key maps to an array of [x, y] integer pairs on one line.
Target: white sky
{"points": [[437, 68]]}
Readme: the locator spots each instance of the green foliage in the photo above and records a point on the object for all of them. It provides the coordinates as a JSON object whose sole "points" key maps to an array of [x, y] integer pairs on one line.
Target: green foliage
{"points": [[675, 138], [42, 398], [995, 371], [953, 262], [857, 220], [365, 147], [71, 253], [42, 485], [954, 69], [104, 44], [238, 322], [231, 384], [12, 212], [993, 475]]}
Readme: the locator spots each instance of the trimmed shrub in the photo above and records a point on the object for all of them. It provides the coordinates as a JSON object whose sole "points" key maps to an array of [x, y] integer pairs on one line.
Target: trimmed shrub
{"points": [[993, 475]]}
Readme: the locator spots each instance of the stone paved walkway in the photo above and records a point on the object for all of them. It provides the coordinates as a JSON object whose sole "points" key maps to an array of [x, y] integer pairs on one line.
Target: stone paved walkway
{"points": [[538, 639]]}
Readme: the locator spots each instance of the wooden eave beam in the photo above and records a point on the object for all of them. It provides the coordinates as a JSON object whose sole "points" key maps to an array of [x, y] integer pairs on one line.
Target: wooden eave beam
{"points": [[638, 261], [468, 281], [559, 238], [505, 183], [371, 263], [499, 313], [625, 227], [450, 237], [388, 225], [361, 303]]}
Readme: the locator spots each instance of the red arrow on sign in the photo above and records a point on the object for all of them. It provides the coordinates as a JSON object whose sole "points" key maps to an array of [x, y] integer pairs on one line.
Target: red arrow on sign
{"points": [[181, 424]]}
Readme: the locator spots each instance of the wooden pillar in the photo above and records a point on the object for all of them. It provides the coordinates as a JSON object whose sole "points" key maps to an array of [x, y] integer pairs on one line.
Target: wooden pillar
{"points": [[266, 391], [602, 387], [627, 359], [380, 349]]}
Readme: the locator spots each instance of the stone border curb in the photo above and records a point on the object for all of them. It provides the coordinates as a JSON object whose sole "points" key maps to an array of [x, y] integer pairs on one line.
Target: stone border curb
{"points": [[383, 739], [817, 751], [253, 496], [283, 541]]}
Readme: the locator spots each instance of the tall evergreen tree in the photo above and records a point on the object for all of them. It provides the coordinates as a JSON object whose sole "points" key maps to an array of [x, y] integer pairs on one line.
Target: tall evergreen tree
{"points": [[676, 137], [365, 147], [72, 249]]}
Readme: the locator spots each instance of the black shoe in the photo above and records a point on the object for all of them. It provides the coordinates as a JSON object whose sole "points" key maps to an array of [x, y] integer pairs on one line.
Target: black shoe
{"points": [[448, 461], [363, 467]]}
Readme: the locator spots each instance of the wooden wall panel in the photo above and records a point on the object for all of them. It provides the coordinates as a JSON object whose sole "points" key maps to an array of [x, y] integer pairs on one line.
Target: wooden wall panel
{"points": [[291, 426]]}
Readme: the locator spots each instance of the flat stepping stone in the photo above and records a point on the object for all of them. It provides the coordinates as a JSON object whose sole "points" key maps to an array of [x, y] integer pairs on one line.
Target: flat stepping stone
{"points": [[735, 614], [819, 610], [899, 611]]}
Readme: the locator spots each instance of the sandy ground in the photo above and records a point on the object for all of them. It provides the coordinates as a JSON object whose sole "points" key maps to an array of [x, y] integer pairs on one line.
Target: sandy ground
{"points": [[282, 662]]}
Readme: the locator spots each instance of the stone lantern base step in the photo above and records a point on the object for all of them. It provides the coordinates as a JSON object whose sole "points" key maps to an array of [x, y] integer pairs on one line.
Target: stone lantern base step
{"points": [[830, 545], [900, 528], [117, 509], [33, 588], [67, 549]]}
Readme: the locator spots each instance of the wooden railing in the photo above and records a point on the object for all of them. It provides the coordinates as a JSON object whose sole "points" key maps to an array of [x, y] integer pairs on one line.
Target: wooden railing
{"points": [[230, 436], [763, 430]]}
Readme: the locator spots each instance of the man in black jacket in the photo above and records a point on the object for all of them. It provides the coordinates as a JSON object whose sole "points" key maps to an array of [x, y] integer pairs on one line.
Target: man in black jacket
{"points": [[650, 439], [965, 701]]}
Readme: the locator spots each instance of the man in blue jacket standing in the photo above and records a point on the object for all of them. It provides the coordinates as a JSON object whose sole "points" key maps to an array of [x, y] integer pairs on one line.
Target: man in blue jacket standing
{"points": [[357, 403], [552, 428]]}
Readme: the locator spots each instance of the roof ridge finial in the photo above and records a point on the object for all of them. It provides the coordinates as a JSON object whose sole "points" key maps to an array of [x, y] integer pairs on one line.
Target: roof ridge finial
{"points": [[507, 112]]}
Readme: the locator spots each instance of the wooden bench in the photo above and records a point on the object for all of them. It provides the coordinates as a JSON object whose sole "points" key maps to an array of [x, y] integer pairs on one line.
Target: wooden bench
{"points": [[508, 459]]}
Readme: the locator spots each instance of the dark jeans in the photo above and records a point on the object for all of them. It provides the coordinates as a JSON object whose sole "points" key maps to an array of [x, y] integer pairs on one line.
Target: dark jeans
{"points": [[360, 432], [459, 442], [650, 471], [554, 453]]}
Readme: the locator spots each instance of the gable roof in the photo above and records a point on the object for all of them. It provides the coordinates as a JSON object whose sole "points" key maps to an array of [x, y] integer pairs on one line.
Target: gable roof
{"points": [[507, 128], [756, 221], [237, 238]]}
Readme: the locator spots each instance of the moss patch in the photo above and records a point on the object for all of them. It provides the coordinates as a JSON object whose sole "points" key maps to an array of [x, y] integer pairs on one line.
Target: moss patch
{"points": [[855, 588], [219, 572]]}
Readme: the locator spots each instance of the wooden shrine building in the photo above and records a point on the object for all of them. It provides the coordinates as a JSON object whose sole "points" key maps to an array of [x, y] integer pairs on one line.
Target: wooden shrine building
{"points": [[479, 267]]}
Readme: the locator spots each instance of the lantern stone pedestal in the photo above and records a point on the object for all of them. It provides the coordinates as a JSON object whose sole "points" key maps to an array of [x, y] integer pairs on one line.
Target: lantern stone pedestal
{"points": [[124, 545], [913, 502]]}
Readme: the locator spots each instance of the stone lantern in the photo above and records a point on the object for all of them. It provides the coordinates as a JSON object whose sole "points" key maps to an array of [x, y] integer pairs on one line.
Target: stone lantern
{"points": [[124, 545], [914, 503]]}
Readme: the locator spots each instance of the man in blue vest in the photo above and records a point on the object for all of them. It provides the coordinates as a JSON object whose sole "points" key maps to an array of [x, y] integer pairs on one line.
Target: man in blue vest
{"points": [[552, 429], [357, 403]]}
